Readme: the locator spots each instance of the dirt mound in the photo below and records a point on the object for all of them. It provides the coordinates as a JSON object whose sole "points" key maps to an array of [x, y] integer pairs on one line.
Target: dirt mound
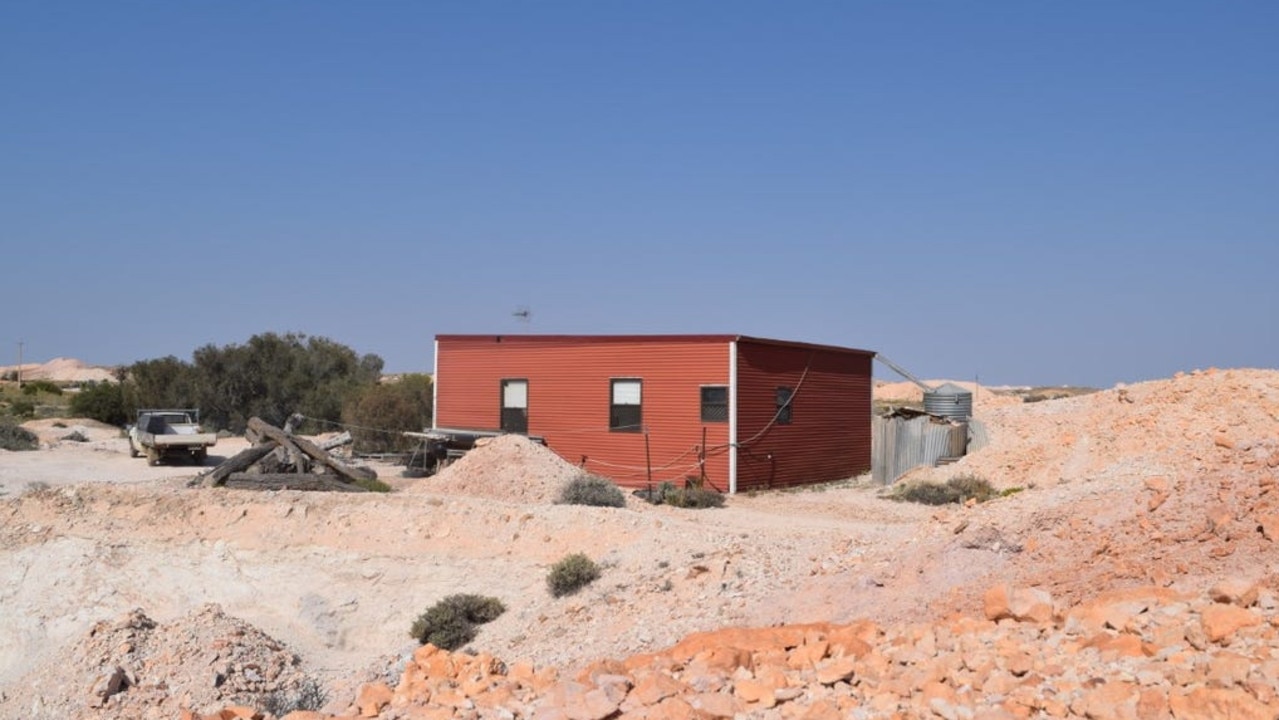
{"points": [[510, 468], [67, 370], [908, 392], [134, 667], [1184, 425]]}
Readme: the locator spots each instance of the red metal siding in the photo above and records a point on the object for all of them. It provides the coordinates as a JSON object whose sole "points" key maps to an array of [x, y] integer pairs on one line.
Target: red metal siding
{"points": [[829, 437], [568, 397]]}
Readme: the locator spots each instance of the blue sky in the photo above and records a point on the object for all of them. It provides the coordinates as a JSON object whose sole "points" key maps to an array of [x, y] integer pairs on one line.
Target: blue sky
{"points": [[1028, 192]]}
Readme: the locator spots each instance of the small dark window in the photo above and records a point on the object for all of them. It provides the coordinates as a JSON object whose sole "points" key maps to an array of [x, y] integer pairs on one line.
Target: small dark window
{"points": [[715, 403], [784, 396], [515, 406], [625, 405]]}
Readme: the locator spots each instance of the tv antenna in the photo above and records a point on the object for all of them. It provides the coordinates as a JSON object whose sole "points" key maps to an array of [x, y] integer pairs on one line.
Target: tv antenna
{"points": [[523, 314]]}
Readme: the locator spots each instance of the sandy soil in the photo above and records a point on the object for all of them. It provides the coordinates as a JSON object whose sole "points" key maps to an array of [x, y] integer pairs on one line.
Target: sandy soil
{"points": [[1160, 483]]}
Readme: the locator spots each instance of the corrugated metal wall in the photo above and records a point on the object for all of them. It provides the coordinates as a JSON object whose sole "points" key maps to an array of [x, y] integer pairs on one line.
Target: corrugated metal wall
{"points": [[568, 397], [902, 444], [829, 437]]}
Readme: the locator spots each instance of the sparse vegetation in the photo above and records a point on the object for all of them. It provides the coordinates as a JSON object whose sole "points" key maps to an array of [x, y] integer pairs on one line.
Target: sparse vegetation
{"points": [[688, 497], [593, 490], [15, 438], [694, 497], [374, 485], [955, 490], [571, 574], [452, 622], [308, 696], [40, 386]]}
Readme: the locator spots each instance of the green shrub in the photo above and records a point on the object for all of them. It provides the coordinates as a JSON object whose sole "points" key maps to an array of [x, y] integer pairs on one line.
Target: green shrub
{"points": [[451, 623], [14, 437], [694, 497], [40, 386], [22, 408], [103, 401], [955, 490], [591, 490], [571, 574]]}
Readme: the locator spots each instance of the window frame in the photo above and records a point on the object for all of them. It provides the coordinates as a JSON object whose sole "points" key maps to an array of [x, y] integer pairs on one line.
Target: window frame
{"points": [[785, 408], [615, 417], [705, 405], [502, 407]]}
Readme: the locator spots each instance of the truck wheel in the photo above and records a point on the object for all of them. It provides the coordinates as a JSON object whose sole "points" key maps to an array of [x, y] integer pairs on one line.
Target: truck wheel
{"points": [[133, 451], [153, 457], [200, 455]]}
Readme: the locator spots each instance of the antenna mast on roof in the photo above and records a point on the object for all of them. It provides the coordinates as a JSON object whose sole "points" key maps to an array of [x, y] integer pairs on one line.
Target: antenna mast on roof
{"points": [[523, 315]]}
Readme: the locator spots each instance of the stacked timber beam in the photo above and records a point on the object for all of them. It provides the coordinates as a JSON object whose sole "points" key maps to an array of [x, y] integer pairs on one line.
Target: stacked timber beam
{"points": [[280, 460]]}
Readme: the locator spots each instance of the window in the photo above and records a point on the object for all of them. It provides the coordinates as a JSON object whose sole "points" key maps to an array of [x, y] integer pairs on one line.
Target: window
{"points": [[624, 413], [714, 403], [784, 396], [515, 406]]}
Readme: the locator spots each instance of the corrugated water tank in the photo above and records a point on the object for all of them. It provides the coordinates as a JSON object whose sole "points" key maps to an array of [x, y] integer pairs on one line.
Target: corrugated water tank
{"points": [[950, 401]]}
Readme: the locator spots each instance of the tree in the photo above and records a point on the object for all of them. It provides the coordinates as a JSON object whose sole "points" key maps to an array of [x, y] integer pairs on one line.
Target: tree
{"points": [[379, 413], [101, 401]]}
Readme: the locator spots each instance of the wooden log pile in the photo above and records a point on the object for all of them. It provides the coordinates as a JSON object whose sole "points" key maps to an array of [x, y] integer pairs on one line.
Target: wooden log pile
{"points": [[279, 460]]}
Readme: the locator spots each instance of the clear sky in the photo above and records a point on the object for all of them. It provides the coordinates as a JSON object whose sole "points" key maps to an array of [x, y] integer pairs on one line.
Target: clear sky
{"points": [[1030, 192]]}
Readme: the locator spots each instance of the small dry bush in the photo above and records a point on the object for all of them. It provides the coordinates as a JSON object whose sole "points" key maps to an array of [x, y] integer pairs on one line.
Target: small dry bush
{"points": [[955, 490], [571, 574], [15, 437], [693, 497], [451, 623], [591, 490]]}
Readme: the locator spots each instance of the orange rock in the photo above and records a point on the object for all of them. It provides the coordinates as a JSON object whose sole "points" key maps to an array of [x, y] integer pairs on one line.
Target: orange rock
{"points": [[1229, 703], [836, 670], [306, 715], [753, 691], [716, 705], [1220, 622], [240, 712], [807, 656], [1235, 591], [372, 697], [653, 687]]}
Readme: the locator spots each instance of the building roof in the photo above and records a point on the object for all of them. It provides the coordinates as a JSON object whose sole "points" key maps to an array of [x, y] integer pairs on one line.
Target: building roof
{"points": [[533, 339]]}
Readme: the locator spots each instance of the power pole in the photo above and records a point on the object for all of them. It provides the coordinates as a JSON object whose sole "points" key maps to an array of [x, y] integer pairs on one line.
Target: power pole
{"points": [[20, 344]]}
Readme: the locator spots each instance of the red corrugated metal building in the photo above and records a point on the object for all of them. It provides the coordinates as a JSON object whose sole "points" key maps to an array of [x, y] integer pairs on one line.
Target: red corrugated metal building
{"points": [[744, 413]]}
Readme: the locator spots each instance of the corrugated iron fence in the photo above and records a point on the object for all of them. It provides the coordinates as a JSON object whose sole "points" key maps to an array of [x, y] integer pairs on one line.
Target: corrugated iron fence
{"points": [[901, 443]]}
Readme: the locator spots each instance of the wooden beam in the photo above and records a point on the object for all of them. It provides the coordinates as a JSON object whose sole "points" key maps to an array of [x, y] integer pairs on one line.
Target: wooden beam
{"points": [[236, 463], [350, 472]]}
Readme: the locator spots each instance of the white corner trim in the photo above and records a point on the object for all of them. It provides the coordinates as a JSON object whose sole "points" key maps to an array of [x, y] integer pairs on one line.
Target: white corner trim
{"points": [[435, 387], [732, 418]]}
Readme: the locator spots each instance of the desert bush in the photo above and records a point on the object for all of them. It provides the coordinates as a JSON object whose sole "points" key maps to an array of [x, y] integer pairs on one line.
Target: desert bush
{"points": [[955, 490], [451, 623], [309, 696], [689, 497], [102, 401], [40, 386], [571, 574], [22, 408], [380, 412], [593, 490], [373, 485], [694, 497], [14, 437]]}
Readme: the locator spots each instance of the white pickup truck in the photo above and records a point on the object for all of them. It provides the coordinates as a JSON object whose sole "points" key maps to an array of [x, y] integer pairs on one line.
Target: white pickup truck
{"points": [[167, 434]]}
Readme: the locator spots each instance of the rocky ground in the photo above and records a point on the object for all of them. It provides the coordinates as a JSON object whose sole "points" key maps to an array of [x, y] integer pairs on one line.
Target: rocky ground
{"points": [[1132, 575]]}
